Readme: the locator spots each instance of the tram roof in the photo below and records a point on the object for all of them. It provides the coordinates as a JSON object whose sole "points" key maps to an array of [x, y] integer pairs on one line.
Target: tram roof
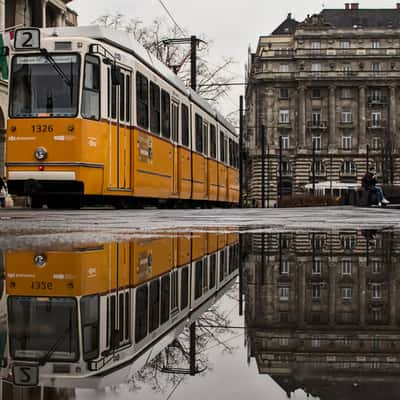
{"points": [[126, 42]]}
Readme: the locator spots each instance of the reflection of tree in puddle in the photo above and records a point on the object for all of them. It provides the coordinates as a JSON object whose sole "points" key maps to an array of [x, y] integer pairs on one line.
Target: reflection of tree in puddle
{"points": [[172, 366]]}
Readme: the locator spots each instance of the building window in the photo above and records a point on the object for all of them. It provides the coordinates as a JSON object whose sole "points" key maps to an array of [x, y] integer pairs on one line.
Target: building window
{"points": [[284, 293], [376, 95], [376, 44], [315, 343], [316, 69], [346, 267], [346, 93], [347, 293], [316, 142], [316, 267], [348, 168], [376, 143], [286, 170], [316, 118], [348, 242], [319, 168], [285, 142], [346, 142], [284, 68], [316, 93], [346, 117], [376, 118], [315, 45], [283, 341], [376, 290], [285, 267], [376, 67], [344, 44], [377, 314], [347, 69], [283, 116], [284, 93], [316, 292], [318, 242], [376, 266]]}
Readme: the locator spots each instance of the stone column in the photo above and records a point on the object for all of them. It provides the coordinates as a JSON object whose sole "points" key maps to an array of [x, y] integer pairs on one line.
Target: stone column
{"points": [[44, 6], [302, 294], [392, 117], [332, 142], [393, 298], [302, 117], [2, 15], [362, 123]]}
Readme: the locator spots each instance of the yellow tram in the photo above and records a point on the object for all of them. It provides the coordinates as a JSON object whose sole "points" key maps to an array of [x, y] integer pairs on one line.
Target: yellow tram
{"points": [[80, 313], [95, 118]]}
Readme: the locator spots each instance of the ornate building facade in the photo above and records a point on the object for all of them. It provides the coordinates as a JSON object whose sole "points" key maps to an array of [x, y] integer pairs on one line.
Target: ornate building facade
{"points": [[323, 313], [325, 90], [19, 13]]}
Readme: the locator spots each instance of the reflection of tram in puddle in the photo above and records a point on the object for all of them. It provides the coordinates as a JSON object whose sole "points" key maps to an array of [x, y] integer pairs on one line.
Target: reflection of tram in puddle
{"points": [[104, 311]]}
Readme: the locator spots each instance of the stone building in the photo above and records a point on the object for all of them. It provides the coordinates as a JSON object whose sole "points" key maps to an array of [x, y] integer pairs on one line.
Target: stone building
{"points": [[322, 312], [327, 91], [19, 13]]}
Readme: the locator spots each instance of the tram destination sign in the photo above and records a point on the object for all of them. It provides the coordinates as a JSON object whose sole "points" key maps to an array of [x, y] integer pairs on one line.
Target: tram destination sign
{"points": [[27, 39]]}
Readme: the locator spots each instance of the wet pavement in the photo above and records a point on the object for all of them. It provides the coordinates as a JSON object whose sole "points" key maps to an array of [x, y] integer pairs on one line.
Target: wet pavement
{"points": [[267, 304]]}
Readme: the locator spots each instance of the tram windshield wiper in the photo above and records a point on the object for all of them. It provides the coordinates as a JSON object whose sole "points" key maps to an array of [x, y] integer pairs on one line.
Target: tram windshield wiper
{"points": [[46, 357], [56, 67]]}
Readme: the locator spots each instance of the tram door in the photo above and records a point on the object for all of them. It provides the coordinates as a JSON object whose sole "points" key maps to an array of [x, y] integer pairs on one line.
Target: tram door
{"points": [[120, 130], [205, 133], [118, 312], [175, 139]]}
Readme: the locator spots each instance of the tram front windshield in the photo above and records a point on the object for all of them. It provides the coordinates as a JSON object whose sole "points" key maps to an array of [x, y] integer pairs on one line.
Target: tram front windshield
{"points": [[43, 328], [44, 86]]}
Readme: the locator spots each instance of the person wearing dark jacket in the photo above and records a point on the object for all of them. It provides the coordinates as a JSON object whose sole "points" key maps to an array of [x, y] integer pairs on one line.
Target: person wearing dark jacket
{"points": [[369, 183]]}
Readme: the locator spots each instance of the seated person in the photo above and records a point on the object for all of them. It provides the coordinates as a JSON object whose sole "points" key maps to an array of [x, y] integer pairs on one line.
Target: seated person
{"points": [[369, 183]]}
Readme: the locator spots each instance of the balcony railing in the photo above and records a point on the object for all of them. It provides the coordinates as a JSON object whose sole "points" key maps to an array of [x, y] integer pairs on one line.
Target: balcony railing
{"points": [[378, 124], [378, 101], [346, 124], [317, 125]]}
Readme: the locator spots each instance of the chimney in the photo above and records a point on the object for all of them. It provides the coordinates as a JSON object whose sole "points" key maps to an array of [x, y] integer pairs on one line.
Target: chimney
{"points": [[398, 6], [289, 16], [354, 6], [347, 6]]}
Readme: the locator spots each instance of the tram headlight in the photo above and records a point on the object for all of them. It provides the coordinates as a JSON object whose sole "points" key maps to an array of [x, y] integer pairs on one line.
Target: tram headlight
{"points": [[40, 153], [40, 260]]}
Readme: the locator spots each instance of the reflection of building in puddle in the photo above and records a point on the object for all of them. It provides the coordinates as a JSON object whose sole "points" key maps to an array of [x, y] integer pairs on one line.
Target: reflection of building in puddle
{"points": [[323, 312], [92, 316]]}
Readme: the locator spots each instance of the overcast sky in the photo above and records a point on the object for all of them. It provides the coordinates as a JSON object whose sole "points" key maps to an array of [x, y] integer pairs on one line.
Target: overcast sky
{"points": [[231, 24]]}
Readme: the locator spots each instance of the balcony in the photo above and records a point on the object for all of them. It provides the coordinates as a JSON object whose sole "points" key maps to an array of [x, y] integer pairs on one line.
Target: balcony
{"points": [[377, 124], [346, 124], [284, 125], [317, 125], [377, 101]]}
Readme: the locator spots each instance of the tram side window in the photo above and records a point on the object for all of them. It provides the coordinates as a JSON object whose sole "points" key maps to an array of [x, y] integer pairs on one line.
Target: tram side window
{"points": [[213, 141], [174, 291], [184, 288], [165, 114], [221, 147], [128, 98], [198, 284], [141, 313], [127, 315], [90, 326], [91, 89], [231, 159], [142, 99], [199, 133], [165, 293], [175, 121], [205, 142], [185, 126], [213, 268], [155, 111], [154, 310], [122, 99], [222, 262]]}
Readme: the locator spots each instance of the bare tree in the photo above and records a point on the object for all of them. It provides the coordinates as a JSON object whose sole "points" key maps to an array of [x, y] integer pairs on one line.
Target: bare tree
{"points": [[213, 80]]}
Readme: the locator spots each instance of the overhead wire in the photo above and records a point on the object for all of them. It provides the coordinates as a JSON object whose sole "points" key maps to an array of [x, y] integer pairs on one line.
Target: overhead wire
{"points": [[171, 16]]}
